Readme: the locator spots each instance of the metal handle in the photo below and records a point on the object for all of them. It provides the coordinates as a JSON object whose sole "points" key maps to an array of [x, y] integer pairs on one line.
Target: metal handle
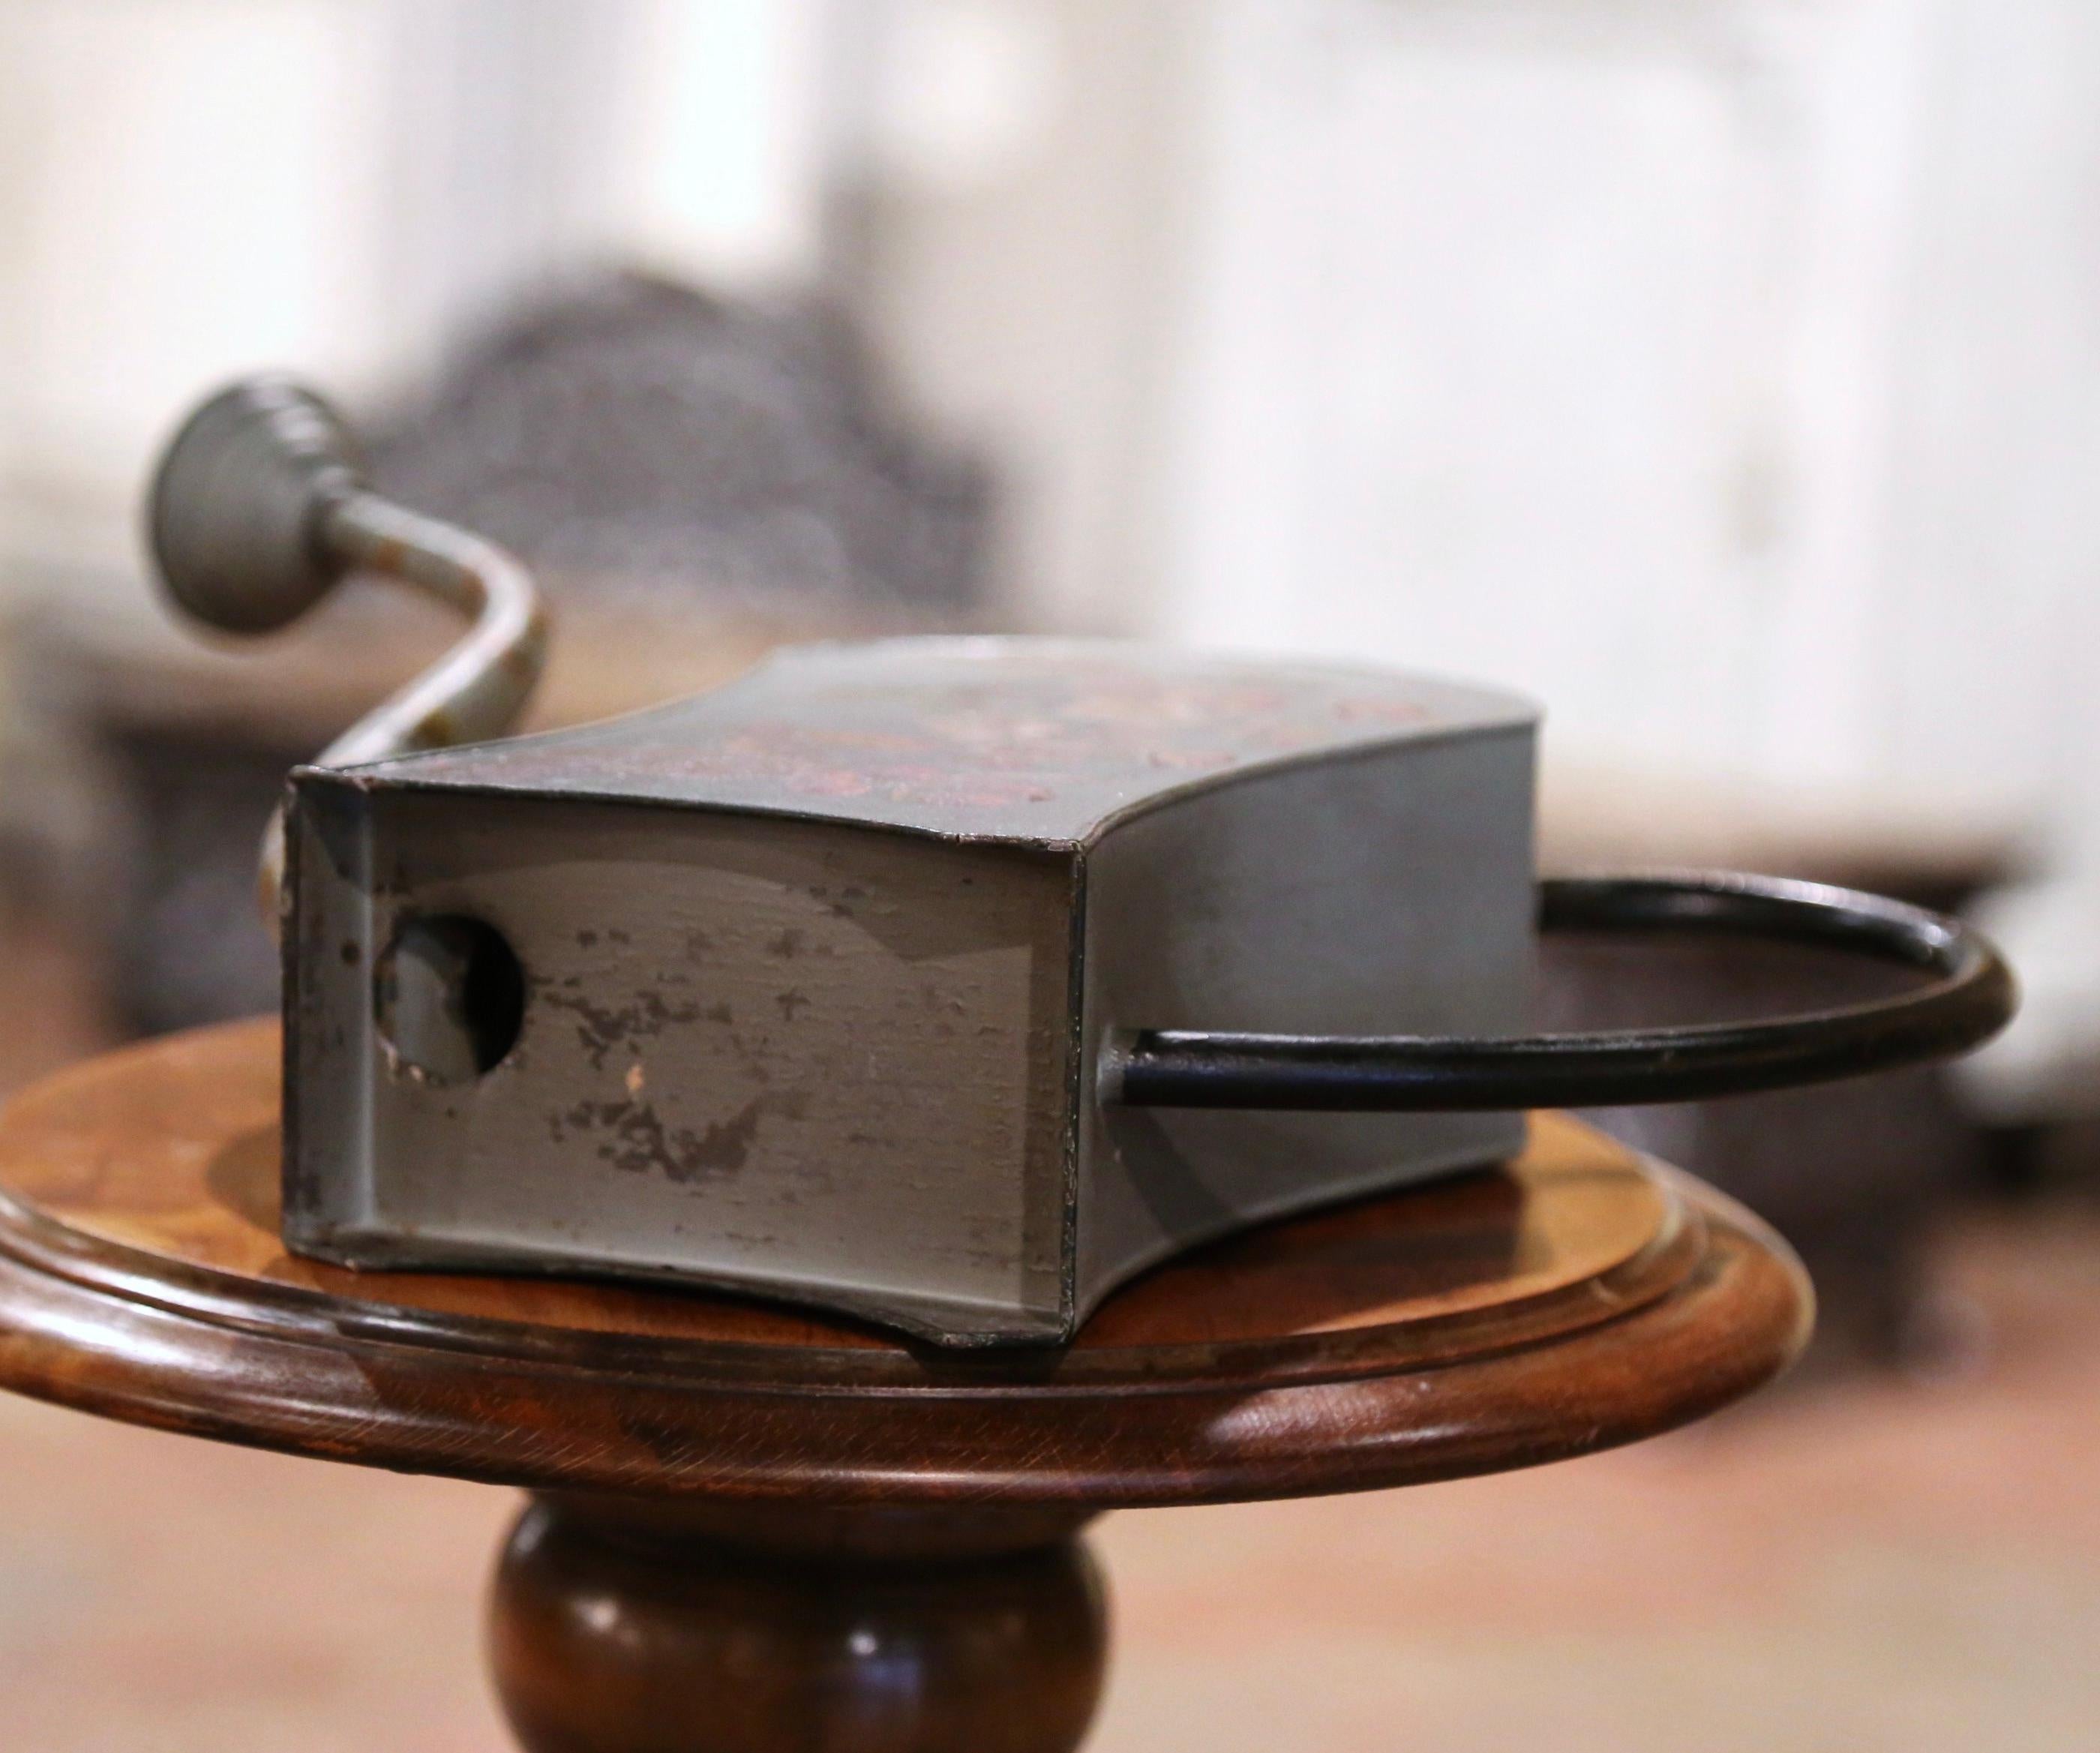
{"points": [[259, 507], [1969, 999]]}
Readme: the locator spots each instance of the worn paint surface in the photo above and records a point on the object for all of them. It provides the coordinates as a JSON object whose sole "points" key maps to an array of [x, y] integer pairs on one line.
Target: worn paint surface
{"points": [[786, 1056], [1022, 739], [812, 1008]]}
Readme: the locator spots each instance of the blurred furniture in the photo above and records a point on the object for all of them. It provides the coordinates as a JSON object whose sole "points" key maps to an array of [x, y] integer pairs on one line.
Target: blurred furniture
{"points": [[692, 481], [190, 747], [635, 437], [758, 1529]]}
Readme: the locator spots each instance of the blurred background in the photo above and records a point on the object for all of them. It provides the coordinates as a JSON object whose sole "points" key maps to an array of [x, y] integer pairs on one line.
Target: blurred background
{"points": [[1725, 373]]}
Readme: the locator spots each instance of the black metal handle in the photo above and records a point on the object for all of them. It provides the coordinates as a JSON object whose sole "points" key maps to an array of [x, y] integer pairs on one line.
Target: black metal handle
{"points": [[1969, 1000]]}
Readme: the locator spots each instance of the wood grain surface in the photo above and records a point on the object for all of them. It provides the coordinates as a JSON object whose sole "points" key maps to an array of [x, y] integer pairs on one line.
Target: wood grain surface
{"points": [[757, 1530], [1579, 1298]]}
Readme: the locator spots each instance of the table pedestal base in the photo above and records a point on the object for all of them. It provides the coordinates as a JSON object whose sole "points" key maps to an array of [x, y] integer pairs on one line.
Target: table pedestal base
{"points": [[760, 1530], [629, 1628]]}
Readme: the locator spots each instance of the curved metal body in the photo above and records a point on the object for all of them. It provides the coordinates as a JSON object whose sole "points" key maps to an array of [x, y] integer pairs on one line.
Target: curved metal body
{"points": [[531, 1024]]}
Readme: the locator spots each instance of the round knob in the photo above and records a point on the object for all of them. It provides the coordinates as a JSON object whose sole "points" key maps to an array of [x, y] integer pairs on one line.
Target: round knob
{"points": [[234, 516]]}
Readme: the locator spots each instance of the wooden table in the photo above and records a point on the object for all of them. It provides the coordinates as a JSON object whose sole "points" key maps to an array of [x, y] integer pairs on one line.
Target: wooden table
{"points": [[754, 1530]]}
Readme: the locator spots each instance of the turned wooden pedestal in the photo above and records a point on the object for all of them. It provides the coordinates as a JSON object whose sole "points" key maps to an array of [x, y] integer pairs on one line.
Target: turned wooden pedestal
{"points": [[753, 1530]]}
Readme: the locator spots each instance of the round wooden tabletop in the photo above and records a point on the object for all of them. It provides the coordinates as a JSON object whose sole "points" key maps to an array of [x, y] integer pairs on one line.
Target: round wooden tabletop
{"points": [[1578, 1298]]}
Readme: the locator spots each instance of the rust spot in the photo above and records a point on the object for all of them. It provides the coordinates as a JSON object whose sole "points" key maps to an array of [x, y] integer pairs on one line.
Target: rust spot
{"points": [[640, 1141], [602, 1028]]}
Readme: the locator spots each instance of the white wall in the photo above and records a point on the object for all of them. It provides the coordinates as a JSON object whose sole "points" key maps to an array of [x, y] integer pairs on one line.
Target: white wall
{"points": [[1644, 356], [1727, 372], [1722, 371], [177, 179], [1014, 186], [192, 188]]}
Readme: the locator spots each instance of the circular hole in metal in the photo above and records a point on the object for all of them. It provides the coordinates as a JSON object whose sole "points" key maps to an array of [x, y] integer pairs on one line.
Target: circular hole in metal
{"points": [[449, 994]]}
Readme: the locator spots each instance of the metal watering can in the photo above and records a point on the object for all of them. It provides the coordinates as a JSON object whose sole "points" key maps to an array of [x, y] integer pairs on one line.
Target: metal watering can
{"points": [[946, 982]]}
